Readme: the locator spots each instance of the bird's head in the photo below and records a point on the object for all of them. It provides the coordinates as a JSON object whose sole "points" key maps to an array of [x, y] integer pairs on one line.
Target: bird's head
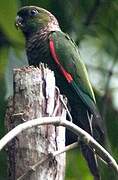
{"points": [[31, 19]]}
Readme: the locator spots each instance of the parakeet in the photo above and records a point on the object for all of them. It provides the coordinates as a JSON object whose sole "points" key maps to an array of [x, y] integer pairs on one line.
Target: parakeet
{"points": [[45, 42]]}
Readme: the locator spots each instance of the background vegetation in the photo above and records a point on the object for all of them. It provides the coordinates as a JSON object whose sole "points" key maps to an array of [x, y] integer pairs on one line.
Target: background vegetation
{"points": [[93, 25]]}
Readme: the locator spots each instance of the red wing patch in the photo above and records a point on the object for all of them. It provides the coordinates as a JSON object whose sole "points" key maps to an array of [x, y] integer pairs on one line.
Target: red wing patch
{"points": [[56, 59]]}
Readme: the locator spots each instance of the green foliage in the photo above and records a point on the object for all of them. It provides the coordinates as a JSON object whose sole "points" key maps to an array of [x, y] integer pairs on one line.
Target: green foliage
{"points": [[76, 167], [8, 12], [3, 60]]}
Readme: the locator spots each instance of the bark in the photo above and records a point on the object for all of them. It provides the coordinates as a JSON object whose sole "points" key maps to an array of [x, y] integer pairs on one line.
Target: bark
{"points": [[29, 155]]}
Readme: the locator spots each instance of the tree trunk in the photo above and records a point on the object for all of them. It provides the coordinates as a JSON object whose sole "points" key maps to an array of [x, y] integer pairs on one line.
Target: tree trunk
{"points": [[29, 154]]}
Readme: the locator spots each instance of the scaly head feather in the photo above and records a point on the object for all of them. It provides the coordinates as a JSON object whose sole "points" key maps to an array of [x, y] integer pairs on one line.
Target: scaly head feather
{"points": [[31, 19]]}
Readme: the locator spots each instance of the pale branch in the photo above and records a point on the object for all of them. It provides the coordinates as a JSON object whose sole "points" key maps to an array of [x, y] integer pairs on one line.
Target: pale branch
{"points": [[65, 106], [57, 121], [48, 157], [67, 148], [73, 146], [63, 100], [33, 168]]}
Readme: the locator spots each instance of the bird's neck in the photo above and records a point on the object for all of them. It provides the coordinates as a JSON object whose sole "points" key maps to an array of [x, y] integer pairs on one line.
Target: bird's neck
{"points": [[41, 35], [43, 31], [37, 44]]}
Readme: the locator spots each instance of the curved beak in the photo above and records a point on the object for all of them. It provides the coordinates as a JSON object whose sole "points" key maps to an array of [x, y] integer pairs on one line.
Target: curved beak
{"points": [[18, 22]]}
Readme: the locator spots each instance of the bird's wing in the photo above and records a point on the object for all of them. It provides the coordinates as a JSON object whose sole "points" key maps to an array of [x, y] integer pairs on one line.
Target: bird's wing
{"points": [[66, 56]]}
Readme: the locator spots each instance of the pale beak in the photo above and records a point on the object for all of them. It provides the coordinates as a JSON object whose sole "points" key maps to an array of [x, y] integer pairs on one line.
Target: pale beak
{"points": [[19, 22]]}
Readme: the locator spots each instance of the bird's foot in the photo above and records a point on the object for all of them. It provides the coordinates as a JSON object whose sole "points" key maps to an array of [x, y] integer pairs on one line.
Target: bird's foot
{"points": [[57, 104], [19, 116], [64, 103]]}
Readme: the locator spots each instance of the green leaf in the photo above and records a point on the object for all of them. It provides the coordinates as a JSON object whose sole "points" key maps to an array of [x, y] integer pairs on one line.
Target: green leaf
{"points": [[3, 60], [76, 166], [8, 11]]}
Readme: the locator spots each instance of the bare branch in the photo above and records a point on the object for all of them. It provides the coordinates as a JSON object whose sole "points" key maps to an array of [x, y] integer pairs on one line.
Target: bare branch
{"points": [[57, 121], [48, 157], [33, 168], [67, 148]]}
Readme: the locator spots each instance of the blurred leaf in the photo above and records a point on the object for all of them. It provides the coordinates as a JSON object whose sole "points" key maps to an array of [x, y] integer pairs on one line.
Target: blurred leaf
{"points": [[41, 3], [8, 11], [3, 60], [76, 166]]}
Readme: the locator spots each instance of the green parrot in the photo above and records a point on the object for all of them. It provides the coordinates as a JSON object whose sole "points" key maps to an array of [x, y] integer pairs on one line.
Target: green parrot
{"points": [[45, 42]]}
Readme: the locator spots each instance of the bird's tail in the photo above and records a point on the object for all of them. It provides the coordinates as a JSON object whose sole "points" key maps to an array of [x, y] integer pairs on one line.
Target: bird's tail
{"points": [[89, 122], [91, 159], [88, 153]]}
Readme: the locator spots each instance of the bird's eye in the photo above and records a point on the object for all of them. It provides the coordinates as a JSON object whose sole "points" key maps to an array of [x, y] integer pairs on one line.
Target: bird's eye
{"points": [[33, 12]]}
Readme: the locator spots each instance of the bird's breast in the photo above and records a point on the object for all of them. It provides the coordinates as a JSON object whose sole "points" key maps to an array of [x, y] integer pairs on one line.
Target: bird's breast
{"points": [[38, 51]]}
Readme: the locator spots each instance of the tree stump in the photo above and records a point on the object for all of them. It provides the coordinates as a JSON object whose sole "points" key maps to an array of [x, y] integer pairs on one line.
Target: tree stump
{"points": [[35, 95]]}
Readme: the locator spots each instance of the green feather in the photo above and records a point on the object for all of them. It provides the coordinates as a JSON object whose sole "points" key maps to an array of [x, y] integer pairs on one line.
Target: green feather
{"points": [[70, 59]]}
